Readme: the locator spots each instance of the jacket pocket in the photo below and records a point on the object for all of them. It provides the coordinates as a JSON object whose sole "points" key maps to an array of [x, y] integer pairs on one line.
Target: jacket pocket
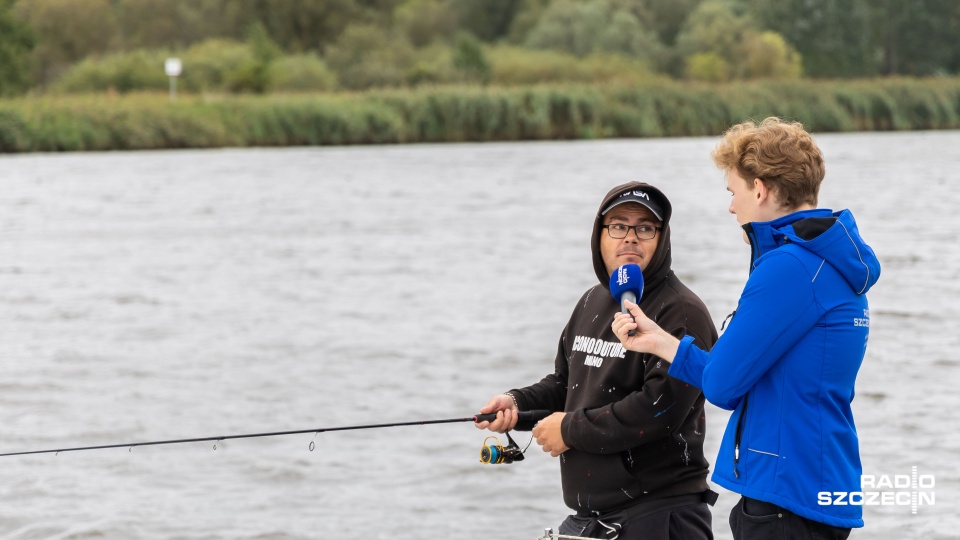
{"points": [[760, 467]]}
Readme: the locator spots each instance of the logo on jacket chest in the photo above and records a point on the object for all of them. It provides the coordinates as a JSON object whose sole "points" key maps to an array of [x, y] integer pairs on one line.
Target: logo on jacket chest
{"points": [[597, 349]]}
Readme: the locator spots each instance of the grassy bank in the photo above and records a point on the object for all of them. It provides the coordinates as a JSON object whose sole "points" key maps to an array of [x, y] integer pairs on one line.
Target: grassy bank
{"points": [[449, 114]]}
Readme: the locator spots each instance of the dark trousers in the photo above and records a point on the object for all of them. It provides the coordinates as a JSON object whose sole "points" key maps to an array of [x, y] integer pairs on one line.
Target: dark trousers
{"points": [[751, 519], [690, 520]]}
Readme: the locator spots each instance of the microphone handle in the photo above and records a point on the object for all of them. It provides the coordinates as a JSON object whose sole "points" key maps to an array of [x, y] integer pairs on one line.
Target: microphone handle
{"points": [[631, 296]]}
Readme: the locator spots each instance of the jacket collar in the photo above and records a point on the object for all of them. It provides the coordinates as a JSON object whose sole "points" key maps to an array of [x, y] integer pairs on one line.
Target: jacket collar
{"points": [[766, 236]]}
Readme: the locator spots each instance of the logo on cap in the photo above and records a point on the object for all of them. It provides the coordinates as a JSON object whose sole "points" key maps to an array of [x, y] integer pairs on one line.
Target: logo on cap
{"points": [[640, 197]]}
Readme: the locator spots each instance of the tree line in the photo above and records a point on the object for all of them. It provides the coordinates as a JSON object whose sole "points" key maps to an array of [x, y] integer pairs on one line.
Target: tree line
{"points": [[303, 45]]}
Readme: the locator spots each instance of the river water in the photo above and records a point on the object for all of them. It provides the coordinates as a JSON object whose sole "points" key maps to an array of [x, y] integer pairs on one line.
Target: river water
{"points": [[180, 294]]}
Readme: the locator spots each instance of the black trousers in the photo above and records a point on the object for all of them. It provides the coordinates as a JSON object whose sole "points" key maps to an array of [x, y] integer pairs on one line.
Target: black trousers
{"points": [[678, 518], [751, 519]]}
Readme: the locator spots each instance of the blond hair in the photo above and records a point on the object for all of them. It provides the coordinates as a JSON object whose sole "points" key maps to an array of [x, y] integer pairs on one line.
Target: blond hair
{"points": [[780, 153]]}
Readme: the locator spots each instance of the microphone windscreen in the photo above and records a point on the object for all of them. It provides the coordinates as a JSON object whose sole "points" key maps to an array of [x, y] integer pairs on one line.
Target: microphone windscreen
{"points": [[628, 277]]}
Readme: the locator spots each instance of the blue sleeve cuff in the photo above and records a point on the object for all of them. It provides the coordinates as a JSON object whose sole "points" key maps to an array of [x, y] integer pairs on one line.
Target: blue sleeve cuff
{"points": [[689, 362]]}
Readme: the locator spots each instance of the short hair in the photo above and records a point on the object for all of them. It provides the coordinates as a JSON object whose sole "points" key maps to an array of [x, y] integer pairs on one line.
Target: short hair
{"points": [[780, 153]]}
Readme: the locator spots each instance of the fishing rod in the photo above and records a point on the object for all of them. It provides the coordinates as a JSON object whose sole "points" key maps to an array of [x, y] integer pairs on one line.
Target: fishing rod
{"points": [[506, 454]]}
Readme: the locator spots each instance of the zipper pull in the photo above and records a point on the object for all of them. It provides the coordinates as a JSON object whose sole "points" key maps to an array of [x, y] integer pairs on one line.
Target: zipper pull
{"points": [[736, 440]]}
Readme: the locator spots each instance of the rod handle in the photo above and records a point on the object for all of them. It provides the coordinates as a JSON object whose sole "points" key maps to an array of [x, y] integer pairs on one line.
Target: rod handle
{"points": [[522, 416]]}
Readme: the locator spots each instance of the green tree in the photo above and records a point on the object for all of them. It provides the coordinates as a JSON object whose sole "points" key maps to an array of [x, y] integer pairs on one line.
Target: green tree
{"points": [[148, 23], [834, 37], [666, 17], [16, 41], [767, 55], [527, 16], [424, 21], [584, 28], [953, 61], [662, 21], [468, 59], [721, 41], [208, 66], [707, 66], [625, 34], [211, 64], [180, 23], [717, 27], [67, 31], [922, 38], [301, 73], [554, 29], [303, 25], [853, 38], [255, 76], [489, 20], [366, 56], [141, 69], [296, 25]]}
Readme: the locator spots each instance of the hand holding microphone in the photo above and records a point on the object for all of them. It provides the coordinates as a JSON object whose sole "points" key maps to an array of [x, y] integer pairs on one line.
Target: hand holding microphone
{"points": [[626, 283]]}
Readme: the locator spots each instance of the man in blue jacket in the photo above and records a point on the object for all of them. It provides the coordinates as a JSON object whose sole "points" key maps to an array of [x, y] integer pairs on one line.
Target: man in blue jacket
{"points": [[788, 361]]}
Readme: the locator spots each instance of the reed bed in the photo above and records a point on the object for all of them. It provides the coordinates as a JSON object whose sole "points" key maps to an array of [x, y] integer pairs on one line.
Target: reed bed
{"points": [[468, 113]]}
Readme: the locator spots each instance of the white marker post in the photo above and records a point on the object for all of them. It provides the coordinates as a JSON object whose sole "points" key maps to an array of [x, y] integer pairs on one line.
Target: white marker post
{"points": [[173, 67]]}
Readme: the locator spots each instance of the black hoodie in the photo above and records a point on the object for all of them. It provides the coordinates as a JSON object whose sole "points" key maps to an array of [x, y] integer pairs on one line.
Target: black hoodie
{"points": [[635, 434]]}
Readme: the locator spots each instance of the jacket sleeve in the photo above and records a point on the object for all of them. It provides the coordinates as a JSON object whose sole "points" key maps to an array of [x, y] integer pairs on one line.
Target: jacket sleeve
{"points": [[689, 362], [649, 414], [776, 310]]}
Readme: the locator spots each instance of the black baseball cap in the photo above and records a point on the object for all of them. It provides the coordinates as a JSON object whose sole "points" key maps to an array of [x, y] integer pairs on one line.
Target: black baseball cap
{"points": [[636, 196]]}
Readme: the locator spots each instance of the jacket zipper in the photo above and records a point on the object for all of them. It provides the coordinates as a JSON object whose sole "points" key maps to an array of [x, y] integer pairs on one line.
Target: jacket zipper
{"points": [[754, 245], [739, 436], [754, 254]]}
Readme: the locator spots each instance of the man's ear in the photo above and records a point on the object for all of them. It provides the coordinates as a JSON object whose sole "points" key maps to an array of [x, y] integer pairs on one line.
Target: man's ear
{"points": [[761, 191]]}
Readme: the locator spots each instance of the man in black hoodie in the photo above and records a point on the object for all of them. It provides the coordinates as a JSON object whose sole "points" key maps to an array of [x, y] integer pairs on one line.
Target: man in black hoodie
{"points": [[630, 438]]}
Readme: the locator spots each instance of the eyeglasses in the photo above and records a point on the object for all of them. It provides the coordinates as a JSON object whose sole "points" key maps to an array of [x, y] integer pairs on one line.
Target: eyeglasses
{"points": [[619, 231]]}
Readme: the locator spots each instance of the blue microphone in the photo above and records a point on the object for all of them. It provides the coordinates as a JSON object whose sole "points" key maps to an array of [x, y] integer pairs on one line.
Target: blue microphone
{"points": [[626, 283]]}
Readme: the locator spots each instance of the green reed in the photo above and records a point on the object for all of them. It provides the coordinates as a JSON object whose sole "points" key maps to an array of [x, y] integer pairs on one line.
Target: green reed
{"points": [[468, 113]]}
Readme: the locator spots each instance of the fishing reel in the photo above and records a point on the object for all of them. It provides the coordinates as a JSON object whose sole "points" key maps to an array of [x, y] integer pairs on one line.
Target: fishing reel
{"points": [[495, 454]]}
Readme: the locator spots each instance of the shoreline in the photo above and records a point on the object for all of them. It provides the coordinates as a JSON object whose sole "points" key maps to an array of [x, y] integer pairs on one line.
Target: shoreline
{"points": [[143, 121]]}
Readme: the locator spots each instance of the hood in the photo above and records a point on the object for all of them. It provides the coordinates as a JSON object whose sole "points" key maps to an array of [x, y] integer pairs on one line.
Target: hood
{"points": [[659, 266], [833, 236]]}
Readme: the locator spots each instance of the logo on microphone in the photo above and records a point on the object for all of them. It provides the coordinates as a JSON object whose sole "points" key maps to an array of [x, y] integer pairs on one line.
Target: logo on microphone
{"points": [[622, 277]]}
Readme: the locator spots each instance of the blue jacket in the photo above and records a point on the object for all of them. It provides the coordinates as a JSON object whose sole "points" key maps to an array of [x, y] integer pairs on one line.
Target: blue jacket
{"points": [[787, 365]]}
